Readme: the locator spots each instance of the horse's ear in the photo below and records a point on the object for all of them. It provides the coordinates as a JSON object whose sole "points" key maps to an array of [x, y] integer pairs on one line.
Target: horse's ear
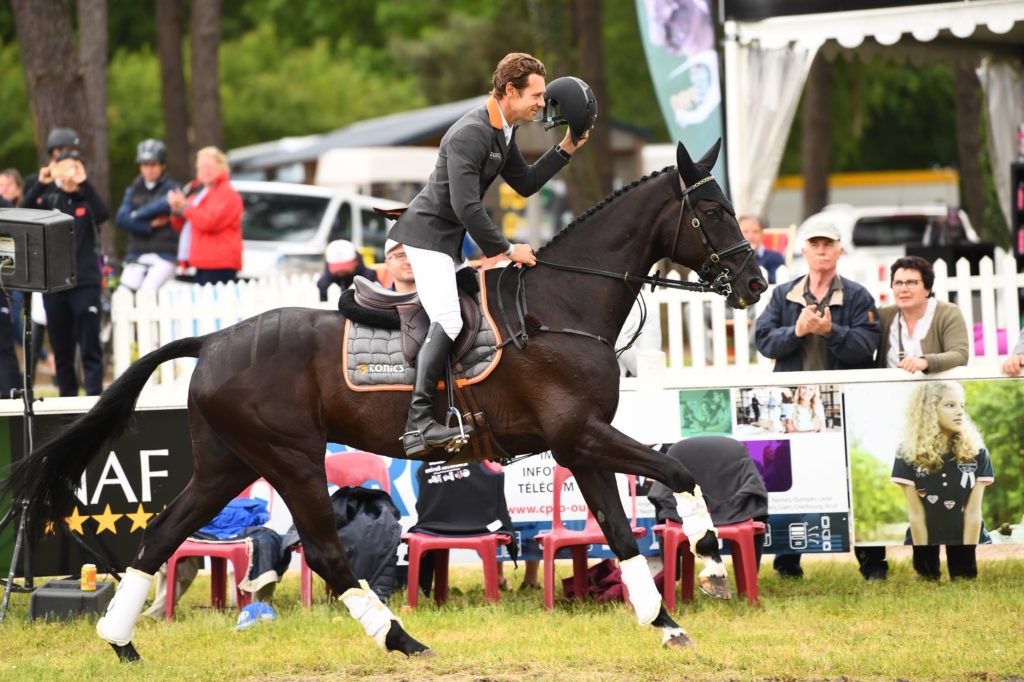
{"points": [[711, 156], [687, 170]]}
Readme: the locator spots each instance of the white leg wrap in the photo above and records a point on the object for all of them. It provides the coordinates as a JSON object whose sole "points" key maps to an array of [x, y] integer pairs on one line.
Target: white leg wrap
{"points": [[713, 568], [693, 510], [643, 594], [118, 624], [365, 606]]}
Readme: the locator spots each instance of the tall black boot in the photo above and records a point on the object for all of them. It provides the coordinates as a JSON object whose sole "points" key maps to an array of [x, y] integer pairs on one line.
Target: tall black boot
{"points": [[421, 431]]}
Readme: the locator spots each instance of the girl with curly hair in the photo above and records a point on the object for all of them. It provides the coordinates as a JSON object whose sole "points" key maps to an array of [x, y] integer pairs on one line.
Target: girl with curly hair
{"points": [[943, 468], [807, 414]]}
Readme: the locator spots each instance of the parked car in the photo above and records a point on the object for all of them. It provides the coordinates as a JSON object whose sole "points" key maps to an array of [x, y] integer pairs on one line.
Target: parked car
{"points": [[883, 233], [286, 226]]}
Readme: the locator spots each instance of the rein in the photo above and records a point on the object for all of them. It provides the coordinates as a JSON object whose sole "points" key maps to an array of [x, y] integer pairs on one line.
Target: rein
{"points": [[721, 284]]}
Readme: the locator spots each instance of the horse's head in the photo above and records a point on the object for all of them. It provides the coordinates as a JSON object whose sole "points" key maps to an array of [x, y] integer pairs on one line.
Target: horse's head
{"points": [[708, 238]]}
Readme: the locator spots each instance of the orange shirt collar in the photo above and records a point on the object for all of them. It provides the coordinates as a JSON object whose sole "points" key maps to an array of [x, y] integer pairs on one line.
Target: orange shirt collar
{"points": [[493, 113]]}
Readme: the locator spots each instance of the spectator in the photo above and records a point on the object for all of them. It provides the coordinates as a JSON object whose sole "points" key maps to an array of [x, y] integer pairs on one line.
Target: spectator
{"points": [[152, 241], [210, 212], [398, 267], [12, 187], [58, 141], [342, 264], [818, 321], [919, 334], [1015, 360], [10, 375], [73, 316], [752, 228], [943, 468]]}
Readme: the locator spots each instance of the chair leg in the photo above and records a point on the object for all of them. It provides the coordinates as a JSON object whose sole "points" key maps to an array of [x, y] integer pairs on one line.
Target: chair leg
{"points": [[549, 577], [172, 570], [305, 580], [747, 569], [489, 556], [441, 575], [218, 582], [579, 572], [688, 572], [242, 598], [412, 593], [670, 552]]}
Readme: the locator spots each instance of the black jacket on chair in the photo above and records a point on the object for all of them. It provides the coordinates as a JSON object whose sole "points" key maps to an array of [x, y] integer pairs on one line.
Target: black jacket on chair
{"points": [[472, 154]]}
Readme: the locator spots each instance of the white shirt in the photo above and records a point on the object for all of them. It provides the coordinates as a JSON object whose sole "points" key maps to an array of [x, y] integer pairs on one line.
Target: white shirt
{"points": [[505, 127], [911, 343]]}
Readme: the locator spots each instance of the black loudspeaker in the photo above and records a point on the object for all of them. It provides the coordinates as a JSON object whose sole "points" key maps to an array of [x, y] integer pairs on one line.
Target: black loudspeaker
{"points": [[37, 250]]}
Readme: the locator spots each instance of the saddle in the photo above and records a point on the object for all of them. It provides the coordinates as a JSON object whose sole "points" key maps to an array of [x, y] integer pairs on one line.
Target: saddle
{"points": [[403, 311]]}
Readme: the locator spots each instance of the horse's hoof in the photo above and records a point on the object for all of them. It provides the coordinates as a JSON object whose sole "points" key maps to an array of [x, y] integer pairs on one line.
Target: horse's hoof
{"points": [[716, 586], [680, 640], [426, 653], [399, 640], [126, 653]]}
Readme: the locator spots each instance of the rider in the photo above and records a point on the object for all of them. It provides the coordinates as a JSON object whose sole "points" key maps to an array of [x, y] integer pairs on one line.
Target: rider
{"points": [[476, 149]]}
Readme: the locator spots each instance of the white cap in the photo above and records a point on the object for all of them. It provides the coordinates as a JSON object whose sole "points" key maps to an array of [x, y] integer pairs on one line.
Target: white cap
{"points": [[822, 229], [340, 251], [389, 245]]}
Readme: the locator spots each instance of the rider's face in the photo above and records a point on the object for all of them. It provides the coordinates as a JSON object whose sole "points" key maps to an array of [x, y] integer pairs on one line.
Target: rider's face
{"points": [[525, 104]]}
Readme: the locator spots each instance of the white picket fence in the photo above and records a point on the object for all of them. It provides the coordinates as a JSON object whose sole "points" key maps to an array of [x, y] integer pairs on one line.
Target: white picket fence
{"points": [[143, 322]]}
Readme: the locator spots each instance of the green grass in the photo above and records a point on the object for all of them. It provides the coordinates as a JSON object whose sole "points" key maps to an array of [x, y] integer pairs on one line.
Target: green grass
{"points": [[831, 625]]}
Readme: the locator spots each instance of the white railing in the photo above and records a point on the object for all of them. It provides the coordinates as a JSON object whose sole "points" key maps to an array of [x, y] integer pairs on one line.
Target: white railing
{"points": [[700, 331]]}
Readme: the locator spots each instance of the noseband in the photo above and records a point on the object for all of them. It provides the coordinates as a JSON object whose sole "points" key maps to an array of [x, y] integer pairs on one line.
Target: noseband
{"points": [[723, 280]]}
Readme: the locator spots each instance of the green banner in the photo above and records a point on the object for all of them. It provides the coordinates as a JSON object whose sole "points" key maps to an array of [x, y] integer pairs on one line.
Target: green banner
{"points": [[679, 39]]}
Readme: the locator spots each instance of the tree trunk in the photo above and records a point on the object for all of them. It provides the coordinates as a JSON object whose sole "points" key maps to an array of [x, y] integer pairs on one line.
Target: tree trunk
{"points": [[592, 177], [56, 91], [172, 88], [815, 147], [206, 119], [967, 107], [92, 52]]}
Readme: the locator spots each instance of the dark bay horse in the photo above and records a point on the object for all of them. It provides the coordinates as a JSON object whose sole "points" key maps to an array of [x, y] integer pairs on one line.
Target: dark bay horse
{"points": [[268, 393]]}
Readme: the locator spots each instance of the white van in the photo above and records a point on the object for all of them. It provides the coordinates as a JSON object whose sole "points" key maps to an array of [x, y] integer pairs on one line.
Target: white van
{"points": [[286, 226]]}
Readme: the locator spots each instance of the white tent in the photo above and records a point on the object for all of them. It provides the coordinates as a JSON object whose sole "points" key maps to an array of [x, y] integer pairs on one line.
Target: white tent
{"points": [[767, 61]]}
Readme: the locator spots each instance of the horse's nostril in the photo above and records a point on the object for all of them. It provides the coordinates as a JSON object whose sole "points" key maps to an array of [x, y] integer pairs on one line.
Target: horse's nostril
{"points": [[758, 285]]}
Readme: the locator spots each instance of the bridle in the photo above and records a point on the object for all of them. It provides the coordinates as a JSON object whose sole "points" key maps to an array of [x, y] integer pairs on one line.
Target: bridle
{"points": [[721, 284]]}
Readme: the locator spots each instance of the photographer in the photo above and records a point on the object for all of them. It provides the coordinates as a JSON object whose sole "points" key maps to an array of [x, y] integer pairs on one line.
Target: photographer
{"points": [[73, 316]]}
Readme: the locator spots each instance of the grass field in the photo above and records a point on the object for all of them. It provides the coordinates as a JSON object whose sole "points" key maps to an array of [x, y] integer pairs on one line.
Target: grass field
{"points": [[831, 625]]}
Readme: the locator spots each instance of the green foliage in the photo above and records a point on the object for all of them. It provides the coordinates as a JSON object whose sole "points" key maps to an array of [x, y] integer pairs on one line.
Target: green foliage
{"points": [[877, 502], [1003, 432], [134, 114], [17, 144]]}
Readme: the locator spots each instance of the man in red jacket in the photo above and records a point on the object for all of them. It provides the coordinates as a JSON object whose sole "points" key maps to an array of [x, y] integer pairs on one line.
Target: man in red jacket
{"points": [[209, 214]]}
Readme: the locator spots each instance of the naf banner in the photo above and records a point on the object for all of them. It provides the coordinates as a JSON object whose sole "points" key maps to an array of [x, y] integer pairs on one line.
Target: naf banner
{"points": [[120, 493], [679, 39]]}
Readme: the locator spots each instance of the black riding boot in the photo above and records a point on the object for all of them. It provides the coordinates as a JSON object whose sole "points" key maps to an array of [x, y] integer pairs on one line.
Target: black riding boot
{"points": [[421, 431]]}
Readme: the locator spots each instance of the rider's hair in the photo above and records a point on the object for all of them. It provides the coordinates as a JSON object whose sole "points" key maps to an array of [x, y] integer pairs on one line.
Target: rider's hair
{"points": [[515, 68]]}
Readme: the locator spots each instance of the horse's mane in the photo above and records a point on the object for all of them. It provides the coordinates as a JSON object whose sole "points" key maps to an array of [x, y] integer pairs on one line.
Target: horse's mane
{"points": [[604, 202]]}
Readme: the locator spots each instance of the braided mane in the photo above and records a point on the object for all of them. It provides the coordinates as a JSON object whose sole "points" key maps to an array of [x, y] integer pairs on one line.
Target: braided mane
{"points": [[604, 202]]}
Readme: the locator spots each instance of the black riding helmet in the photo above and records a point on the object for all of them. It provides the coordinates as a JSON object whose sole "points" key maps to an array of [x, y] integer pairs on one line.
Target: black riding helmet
{"points": [[571, 101], [151, 151], [62, 137]]}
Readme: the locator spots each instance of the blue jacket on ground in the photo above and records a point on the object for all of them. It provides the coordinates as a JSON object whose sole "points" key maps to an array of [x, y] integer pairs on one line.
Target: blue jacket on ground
{"points": [[850, 345]]}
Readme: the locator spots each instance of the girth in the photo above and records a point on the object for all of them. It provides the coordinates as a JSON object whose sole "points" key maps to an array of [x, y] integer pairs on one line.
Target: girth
{"points": [[382, 307]]}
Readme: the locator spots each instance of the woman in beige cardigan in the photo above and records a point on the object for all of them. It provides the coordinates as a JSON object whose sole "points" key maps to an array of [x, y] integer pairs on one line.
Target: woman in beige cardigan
{"points": [[919, 333]]}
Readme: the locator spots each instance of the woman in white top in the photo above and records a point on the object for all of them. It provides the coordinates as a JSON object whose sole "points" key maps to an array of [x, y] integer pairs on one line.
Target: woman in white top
{"points": [[807, 413]]}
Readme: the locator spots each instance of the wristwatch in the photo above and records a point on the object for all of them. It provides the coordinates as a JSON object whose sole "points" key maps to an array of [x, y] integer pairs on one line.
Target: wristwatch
{"points": [[510, 250], [561, 152]]}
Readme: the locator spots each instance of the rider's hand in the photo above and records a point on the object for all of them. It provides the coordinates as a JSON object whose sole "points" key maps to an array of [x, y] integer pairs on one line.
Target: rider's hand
{"points": [[523, 253], [567, 145]]}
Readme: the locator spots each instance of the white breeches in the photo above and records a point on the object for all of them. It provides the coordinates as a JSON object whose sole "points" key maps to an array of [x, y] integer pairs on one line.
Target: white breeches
{"points": [[148, 273], [435, 283]]}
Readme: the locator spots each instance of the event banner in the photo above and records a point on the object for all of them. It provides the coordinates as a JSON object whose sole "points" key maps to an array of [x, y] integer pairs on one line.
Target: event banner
{"points": [[937, 462], [679, 39]]}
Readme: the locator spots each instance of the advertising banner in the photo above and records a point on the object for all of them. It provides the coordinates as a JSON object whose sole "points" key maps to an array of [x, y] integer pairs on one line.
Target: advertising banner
{"points": [[679, 40]]}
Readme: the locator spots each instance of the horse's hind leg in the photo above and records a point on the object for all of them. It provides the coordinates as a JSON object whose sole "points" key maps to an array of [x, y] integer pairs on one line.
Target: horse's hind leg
{"points": [[219, 476], [602, 495]]}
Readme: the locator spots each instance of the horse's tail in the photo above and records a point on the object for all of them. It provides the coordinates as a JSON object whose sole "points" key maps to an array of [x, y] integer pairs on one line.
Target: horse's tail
{"points": [[47, 479]]}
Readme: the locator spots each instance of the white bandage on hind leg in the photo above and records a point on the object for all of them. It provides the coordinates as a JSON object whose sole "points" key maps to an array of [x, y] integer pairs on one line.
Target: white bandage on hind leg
{"points": [[366, 607], [643, 594], [693, 510], [118, 623]]}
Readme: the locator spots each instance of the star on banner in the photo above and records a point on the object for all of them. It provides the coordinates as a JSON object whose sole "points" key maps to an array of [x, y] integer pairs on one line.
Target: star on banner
{"points": [[107, 521], [140, 519], [75, 521]]}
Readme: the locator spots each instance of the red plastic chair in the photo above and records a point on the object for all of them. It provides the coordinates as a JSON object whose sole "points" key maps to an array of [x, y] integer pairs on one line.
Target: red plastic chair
{"points": [[576, 540], [344, 469], [220, 553], [740, 537], [486, 546]]}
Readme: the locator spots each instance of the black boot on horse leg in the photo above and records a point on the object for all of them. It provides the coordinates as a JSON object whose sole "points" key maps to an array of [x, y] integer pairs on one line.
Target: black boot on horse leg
{"points": [[422, 433]]}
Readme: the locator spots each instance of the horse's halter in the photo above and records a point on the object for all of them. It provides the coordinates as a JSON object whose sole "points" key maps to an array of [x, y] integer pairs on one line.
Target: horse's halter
{"points": [[723, 280]]}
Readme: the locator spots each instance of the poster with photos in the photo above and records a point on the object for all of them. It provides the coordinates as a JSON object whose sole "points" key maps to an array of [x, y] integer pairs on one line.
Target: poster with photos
{"points": [[937, 462]]}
